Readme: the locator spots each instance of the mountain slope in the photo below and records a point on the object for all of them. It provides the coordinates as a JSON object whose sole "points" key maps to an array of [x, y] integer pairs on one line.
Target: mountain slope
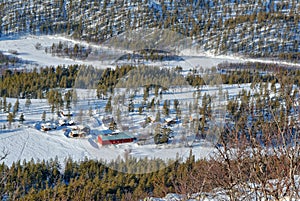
{"points": [[250, 27]]}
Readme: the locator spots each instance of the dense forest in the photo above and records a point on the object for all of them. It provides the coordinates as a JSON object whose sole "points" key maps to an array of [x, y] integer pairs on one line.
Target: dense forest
{"points": [[255, 120], [256, 28], [272, 98], [260, 175], [37, 82], [65, 50], [257, 151]]}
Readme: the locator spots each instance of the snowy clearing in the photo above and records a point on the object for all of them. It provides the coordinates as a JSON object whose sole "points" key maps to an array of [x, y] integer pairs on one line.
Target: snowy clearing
{"points": [[104, 56]]}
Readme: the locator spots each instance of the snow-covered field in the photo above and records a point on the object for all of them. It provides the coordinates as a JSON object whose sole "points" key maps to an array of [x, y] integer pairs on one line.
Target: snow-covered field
{"points": [[106, 56], [25, 47], [25, 141]]}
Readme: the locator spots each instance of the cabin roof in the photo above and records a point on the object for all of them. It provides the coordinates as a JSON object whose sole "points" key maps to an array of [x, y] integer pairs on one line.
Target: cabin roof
{"points": [[115, 136]]}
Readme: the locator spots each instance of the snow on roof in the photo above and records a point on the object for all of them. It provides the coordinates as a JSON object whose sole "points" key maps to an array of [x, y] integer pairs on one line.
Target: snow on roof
{"points": [[116, 136], [105, 132]]}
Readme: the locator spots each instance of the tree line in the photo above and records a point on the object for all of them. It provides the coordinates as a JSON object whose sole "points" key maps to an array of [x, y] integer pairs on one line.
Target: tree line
{"points": [[64, 50], [235, 173]]}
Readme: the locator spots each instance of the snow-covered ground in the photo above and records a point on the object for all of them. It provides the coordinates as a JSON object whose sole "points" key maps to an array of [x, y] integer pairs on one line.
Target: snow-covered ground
{"points": [[245, 194], [26, 141], [213, 60], [106, 55], [25, 47]]}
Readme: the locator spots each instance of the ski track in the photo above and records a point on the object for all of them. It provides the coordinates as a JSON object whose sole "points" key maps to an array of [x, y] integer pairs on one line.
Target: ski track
{"points": [[24, 146]]}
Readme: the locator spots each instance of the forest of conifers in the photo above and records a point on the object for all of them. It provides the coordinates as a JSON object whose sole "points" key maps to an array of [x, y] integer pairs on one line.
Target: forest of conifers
{"points": [[257, 28], [257, 154], [254, 121], [265, 176]]}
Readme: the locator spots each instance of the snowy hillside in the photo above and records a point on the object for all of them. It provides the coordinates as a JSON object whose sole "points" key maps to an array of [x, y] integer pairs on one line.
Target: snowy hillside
{"points": [[253, 28], [104, 56], [26, 141]]}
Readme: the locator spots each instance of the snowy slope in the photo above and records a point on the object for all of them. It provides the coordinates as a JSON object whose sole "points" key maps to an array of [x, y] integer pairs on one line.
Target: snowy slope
{"points": [[26, 141], [25, 47], [29, 143]]}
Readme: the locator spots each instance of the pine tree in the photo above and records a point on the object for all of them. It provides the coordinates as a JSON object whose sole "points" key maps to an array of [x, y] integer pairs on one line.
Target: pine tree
{"points": [[68, 99], [9, 107], [112, 125], [146, 93], [166, 109], [118, 115], [131, 105], [4, 104], [141, 109], [10, 118], [156, 90], [16, 107], [157, 118], [22, 119], [108, 107], [161, 135]]}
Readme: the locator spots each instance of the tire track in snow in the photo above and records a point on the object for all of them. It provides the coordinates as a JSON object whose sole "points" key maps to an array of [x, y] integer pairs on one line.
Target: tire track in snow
{"points": [[67, 144], [24, 146], [85, 152]]}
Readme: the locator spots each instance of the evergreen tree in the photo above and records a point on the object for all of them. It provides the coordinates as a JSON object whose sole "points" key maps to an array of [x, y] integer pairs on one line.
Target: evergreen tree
{"points": [[112, 125], [157, 117], [131, 105], [156, 90], [108, 107], [161, 135], [9, 107], [141, 109], [4, 104], [21, 119], [68, 99], [166, 109], [10, 118], [146, 93], [16, 107]]}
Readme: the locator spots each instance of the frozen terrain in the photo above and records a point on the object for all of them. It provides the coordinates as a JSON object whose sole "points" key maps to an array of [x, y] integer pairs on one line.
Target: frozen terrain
{"points": [[26, 141], [105, 56]]}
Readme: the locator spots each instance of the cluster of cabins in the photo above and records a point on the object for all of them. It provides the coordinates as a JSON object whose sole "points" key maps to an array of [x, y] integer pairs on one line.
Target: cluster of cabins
{"points": [[105, 137], [79, 131]]}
